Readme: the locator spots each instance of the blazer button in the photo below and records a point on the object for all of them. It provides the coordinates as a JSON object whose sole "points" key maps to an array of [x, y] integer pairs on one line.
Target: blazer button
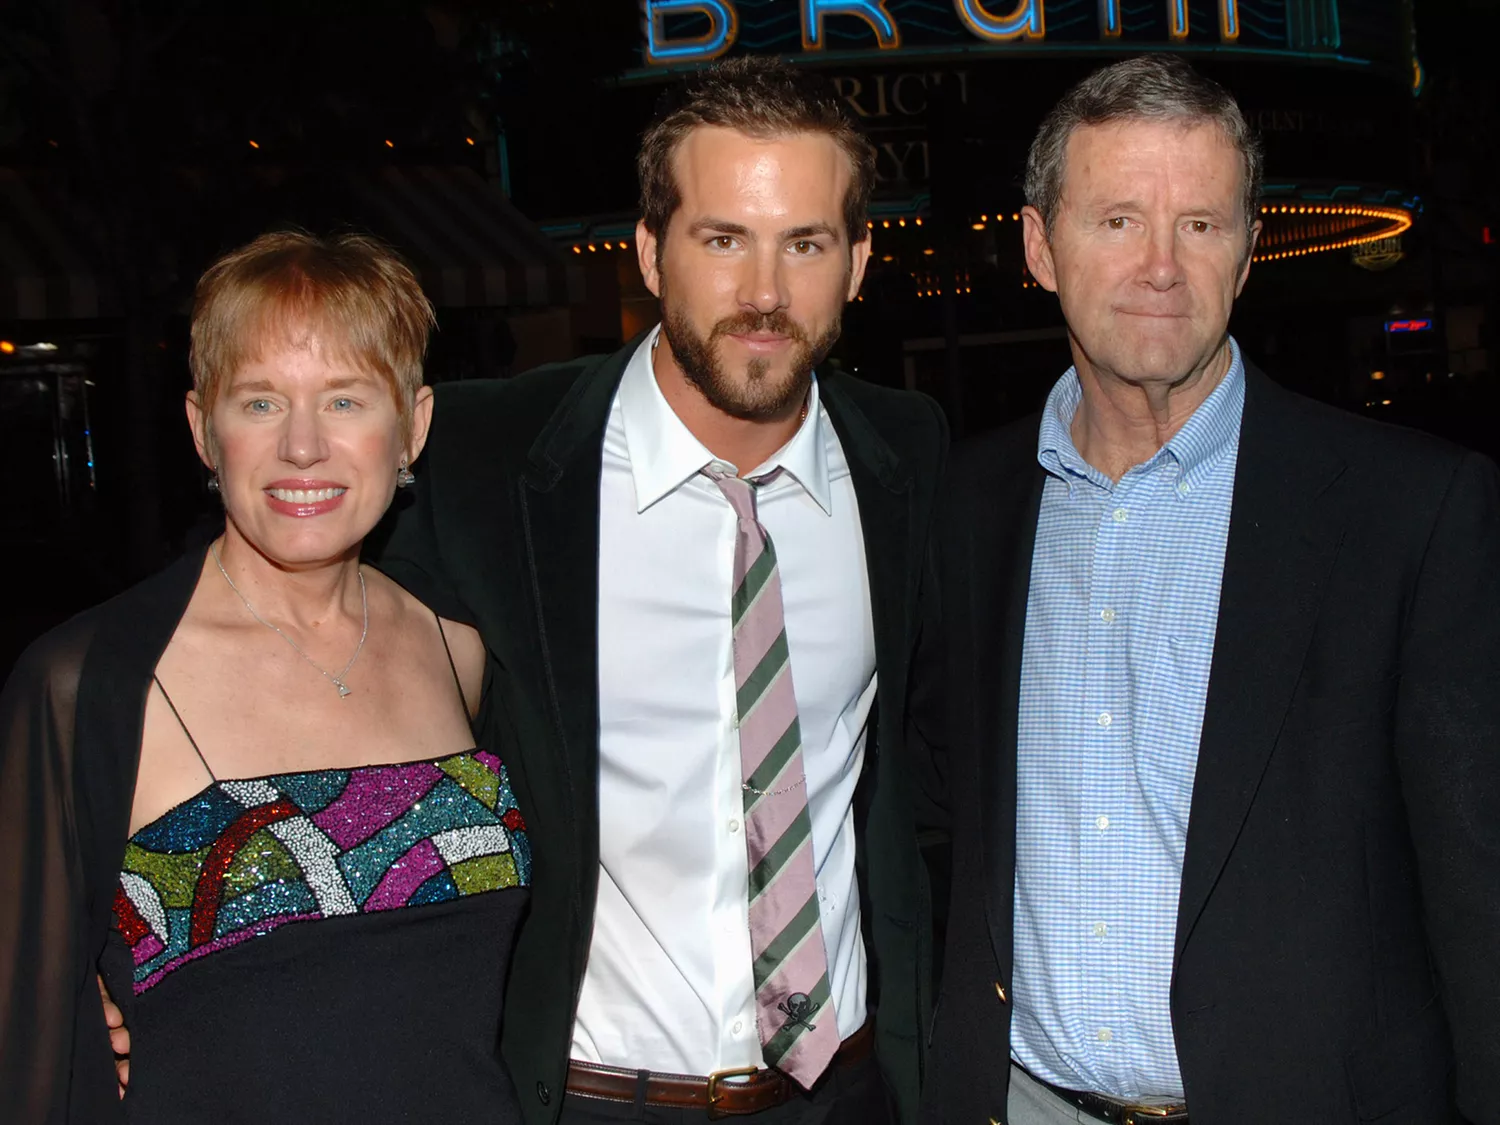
{"points": [[1000, 992], [543, 1094]]}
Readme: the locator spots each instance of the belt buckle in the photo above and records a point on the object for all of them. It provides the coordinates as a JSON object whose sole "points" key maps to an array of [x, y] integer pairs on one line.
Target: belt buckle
{"points": [[713, 1086], [1132, 1114]]}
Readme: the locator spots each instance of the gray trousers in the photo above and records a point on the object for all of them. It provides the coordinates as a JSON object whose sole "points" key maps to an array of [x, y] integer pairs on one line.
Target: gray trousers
{"points": [[1031, 1103]]}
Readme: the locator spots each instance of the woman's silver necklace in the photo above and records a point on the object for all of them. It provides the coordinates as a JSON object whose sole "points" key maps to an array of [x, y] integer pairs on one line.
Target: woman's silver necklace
{"points": [[364, 602]]}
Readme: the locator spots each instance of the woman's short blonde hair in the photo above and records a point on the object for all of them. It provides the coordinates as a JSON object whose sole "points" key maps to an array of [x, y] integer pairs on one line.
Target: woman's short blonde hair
{"points": [[349, 292]]}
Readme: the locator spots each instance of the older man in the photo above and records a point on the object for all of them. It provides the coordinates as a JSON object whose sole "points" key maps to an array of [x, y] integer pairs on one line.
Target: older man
{"points": [[1221, 742]]}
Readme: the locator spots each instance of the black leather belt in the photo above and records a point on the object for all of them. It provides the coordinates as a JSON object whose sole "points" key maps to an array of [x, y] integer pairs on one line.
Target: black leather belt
{"points": [[1116, 1111]]}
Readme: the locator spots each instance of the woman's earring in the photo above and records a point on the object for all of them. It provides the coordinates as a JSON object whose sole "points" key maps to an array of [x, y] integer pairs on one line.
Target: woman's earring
{"points": [[404, 476], [213, 481]]}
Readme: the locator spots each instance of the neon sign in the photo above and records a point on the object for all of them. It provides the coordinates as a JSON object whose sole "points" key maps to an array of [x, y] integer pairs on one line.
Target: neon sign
{"points": [[688, 31], [1028, 19], [887, 34], [723, 29], [1408, 325], [1177, 16]]}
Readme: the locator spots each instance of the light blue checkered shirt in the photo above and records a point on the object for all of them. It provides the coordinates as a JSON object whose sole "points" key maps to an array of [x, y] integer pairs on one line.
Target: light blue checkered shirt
{"points": [[1120, 627]]}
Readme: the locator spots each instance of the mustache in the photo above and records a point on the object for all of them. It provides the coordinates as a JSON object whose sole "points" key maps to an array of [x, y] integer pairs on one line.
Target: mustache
{"points": [[777, 323]]}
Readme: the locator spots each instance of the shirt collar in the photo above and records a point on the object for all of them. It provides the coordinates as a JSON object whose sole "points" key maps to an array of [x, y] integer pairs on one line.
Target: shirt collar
{"points": [[1212, 431], [664, 453]]}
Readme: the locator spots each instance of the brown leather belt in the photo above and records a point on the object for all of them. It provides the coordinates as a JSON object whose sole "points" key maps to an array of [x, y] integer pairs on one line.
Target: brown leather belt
{"points": [[1116, 1111], [728, 1093]]}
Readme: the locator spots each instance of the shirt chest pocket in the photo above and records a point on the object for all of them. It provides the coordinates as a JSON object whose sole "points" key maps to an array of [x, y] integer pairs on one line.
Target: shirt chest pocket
{"points": [[1170, 718]]}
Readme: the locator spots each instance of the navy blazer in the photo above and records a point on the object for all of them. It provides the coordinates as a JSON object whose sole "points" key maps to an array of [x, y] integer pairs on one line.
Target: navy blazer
{"points": [[1335, 952]]}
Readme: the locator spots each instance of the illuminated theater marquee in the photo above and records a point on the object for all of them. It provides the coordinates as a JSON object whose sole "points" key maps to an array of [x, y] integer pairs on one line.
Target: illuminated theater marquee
{"points": [[681, 32]]}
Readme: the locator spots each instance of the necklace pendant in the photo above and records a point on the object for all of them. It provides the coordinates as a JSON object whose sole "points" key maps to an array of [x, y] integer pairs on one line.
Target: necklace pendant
{"points": [[364, 605]]}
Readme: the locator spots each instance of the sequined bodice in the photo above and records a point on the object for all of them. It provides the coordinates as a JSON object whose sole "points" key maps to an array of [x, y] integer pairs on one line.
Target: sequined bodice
{"points": [[243, 858]]}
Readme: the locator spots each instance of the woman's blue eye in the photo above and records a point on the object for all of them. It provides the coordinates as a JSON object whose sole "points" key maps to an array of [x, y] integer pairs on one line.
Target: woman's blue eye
{"points": [[343, 403], [259, 406]]}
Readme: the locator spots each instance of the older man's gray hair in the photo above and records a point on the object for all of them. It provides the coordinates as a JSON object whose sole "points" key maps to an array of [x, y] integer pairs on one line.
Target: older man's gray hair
{"points": [[1146, 88]]}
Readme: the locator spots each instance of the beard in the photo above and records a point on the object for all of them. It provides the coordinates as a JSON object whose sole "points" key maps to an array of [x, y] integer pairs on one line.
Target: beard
{"points": [[760, 394]]}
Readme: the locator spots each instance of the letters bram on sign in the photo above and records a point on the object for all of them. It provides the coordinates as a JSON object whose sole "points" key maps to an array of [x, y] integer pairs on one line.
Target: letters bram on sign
{"points": [[717, 23]]}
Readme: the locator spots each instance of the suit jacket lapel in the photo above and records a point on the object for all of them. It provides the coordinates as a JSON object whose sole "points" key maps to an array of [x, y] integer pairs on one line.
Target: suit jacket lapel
{"points": [[559, 505], [999, 598], [1282, 544], [882, 487]]}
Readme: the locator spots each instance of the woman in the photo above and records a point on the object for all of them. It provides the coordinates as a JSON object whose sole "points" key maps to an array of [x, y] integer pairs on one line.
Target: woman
{"points": [[246, 789]]}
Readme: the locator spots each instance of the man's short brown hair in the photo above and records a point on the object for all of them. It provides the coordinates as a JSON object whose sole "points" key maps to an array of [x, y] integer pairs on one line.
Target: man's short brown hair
{"points": [[762, 98], [349, 292]]}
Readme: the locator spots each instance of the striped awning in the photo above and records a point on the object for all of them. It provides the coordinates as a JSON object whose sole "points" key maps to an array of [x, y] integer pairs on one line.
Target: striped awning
{"points": [[468, 244], [49, 268]]}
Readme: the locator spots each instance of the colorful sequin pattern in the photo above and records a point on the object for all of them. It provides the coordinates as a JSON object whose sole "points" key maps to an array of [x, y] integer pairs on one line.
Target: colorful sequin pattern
{"points": [[244, 857]]}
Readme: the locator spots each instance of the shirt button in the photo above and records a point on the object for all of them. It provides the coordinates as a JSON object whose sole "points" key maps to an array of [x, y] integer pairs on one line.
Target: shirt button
{"points": [[1101, 929], [1121, 515], [1104, 1035], [734, 825], [1107, 616], [1101, 823], [1105, 718], [738, 1026], [1184, 488]]}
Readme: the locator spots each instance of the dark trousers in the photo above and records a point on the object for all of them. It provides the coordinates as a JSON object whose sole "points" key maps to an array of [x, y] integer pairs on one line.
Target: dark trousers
{"points": [[846, 1095]]}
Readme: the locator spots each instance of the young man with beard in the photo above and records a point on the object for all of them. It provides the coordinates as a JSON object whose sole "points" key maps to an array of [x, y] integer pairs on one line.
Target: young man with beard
{"points": [[694, 564]]}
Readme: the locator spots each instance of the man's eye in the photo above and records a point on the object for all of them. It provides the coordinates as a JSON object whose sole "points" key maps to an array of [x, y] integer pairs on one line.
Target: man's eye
{"points": [[1198, 226], [723, 242], [258, 406], [1117, 223], [804, 246]]}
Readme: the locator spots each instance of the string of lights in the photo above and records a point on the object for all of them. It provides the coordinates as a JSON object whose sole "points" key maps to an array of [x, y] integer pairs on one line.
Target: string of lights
{"points": [[1293, 230]]}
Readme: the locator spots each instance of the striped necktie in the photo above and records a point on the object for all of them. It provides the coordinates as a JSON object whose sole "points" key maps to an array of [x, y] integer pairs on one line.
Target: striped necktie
{"points": [[793, 1001]]}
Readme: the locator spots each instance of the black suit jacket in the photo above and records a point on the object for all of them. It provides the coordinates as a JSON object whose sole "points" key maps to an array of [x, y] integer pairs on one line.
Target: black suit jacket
{"points": [[1336, 937], [502, 530]]}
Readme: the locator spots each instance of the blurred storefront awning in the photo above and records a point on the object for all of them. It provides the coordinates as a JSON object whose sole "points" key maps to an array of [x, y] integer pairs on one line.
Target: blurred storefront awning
{"points": [[468, 244], [49, 267]]}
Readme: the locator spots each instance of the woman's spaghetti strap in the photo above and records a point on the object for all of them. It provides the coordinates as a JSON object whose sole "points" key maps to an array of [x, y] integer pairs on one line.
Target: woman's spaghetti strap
{"points": [[452, 666], [156, 680]]}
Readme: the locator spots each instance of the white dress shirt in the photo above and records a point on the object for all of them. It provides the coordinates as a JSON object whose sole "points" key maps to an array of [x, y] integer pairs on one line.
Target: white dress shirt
{"points": [[668, 985]]}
